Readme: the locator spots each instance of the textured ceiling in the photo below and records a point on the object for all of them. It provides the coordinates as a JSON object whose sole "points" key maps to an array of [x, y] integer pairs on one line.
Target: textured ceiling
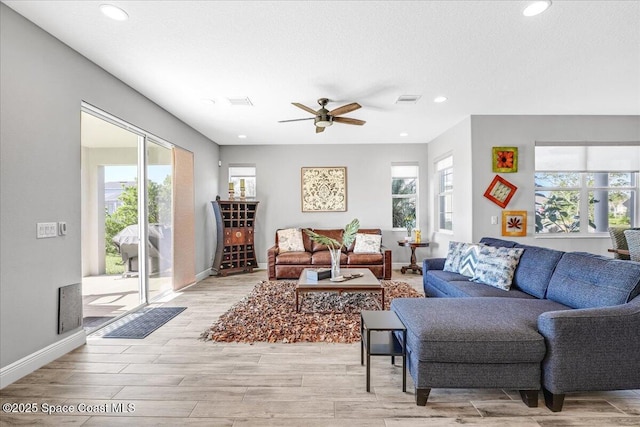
{"points": [[578, 57]]}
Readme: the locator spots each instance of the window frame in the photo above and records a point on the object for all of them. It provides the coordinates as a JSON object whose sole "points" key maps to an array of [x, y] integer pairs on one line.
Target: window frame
{"points": [[583, 189], [235, 178], [440, 173], [414, 195], [583, 160]]}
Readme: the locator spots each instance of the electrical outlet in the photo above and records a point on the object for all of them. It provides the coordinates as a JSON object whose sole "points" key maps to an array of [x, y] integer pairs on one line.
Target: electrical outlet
{"points": [[46, 229]]}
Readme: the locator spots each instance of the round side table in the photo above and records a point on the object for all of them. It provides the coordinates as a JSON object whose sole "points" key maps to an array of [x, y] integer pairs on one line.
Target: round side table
{"points": [[413, 245]]}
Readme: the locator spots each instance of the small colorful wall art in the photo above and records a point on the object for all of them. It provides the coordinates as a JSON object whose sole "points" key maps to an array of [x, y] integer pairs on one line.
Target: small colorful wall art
{"points": [[505, 159], [514, 223], [500, 191]]}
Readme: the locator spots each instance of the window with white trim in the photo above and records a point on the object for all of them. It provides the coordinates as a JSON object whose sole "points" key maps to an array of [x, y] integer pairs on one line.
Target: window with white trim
{"points": [[243, 175], [583, 188], [404, 195], [444, 170]]}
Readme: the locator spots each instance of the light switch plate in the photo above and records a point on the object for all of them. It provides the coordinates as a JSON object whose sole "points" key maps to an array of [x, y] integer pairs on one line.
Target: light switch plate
{"points": [[46, 229]]}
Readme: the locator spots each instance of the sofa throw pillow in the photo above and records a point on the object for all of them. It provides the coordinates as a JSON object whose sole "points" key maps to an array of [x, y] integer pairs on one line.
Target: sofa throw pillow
{"points": [[367, 243], [290, 240], [496, 266], [454, 257], [469, 259]]}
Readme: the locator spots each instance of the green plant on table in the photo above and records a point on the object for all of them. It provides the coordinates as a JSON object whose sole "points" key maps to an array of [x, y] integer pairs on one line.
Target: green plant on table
{"points": [[409, 223]]}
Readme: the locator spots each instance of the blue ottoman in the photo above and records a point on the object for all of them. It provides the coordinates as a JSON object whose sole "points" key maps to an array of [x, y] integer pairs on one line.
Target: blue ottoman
{"points": [[474, 343]]}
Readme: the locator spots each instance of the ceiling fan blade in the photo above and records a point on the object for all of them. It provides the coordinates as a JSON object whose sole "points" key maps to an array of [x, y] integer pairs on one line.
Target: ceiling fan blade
{"points": [[349, 121], [305, 108], [319, 129], [345, 109], [295, 120]]}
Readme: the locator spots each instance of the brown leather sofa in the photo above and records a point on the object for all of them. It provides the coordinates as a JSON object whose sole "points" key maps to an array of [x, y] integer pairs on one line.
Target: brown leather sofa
{"points": [[289, 265]]}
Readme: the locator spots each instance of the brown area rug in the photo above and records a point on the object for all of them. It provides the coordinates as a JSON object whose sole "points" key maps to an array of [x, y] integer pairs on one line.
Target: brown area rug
{"points": [[268, 314]]}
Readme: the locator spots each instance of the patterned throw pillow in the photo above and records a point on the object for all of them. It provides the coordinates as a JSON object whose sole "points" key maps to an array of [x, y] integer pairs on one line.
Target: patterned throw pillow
{"points": [[290, 240], [469, 259], [496, 266], [367, 243], [454, 256]]}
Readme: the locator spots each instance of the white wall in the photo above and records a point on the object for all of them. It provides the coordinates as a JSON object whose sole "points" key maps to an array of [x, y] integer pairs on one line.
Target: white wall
{"points": [[522, 132], [368, 187], [43, 84], [457, 142]]}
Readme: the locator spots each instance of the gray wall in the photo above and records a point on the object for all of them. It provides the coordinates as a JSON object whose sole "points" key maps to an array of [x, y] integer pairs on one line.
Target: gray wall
{"points": [[43, 83], [472, 174], [368, 187], [522, 132]]}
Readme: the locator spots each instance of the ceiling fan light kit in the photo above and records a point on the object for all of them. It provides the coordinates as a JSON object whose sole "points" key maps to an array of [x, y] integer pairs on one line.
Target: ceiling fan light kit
{"points": [[323, 121], [325, 118]]}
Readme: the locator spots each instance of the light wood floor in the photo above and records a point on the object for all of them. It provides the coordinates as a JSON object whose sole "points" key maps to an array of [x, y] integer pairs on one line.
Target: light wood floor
{"points": [[172, 378]]}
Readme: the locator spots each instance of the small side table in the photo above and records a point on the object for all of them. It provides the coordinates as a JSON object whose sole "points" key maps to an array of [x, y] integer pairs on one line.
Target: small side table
{"points": [[383, 342], [413, 245]]}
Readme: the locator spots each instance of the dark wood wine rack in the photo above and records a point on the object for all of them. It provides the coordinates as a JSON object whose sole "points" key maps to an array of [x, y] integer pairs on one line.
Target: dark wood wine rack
{"points": [[235, 250]]}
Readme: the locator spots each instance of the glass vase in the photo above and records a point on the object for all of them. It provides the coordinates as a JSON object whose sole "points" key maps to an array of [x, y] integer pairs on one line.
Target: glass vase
{"points": [[335, 262]]}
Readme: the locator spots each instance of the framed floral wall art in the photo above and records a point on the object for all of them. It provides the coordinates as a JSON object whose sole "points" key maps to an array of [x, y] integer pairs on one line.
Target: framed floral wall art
{"points": [[514, 223], [505, 159], [324, 189], [500, 191]]}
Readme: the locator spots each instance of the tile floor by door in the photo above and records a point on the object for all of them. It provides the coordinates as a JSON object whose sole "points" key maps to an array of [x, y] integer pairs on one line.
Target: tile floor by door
{"points": [[172, 378]]}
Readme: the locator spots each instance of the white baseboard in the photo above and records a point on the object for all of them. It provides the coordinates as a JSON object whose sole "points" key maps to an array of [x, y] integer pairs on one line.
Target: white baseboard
{"points": [[23, 367], [203, 275]]}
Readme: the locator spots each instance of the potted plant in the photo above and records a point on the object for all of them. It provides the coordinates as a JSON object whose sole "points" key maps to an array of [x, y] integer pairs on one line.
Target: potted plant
{"points": [[335, 247]]}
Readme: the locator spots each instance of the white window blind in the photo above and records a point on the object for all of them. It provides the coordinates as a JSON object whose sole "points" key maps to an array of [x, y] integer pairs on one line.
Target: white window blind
{"points": [[587, 157], [445, 163]]}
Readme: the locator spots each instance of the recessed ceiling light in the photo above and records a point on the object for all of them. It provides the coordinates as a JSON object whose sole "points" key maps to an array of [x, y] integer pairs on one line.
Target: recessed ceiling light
{"points": [[439, 99], [242, 136], [536, 8], [404, 134], [114, 12]]}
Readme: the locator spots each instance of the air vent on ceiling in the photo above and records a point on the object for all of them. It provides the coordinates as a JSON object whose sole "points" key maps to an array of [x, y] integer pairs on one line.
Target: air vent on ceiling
{"points": [[407, 99], [240, 101]]}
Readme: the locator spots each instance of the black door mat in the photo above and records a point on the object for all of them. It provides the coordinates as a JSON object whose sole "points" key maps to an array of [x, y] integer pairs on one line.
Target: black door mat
{"points": [[140, 324]]}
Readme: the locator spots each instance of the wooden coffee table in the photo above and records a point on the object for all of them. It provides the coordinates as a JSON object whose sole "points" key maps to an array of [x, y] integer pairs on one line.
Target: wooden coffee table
{"points": [[366, 283]]}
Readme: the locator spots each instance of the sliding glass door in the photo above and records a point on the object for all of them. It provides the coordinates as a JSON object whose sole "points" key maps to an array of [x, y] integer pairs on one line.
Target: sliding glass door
{"points": [[127, 217]]}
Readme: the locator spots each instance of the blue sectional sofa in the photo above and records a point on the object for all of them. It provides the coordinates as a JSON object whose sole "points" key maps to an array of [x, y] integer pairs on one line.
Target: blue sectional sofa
{"points": [[569, 323]]}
